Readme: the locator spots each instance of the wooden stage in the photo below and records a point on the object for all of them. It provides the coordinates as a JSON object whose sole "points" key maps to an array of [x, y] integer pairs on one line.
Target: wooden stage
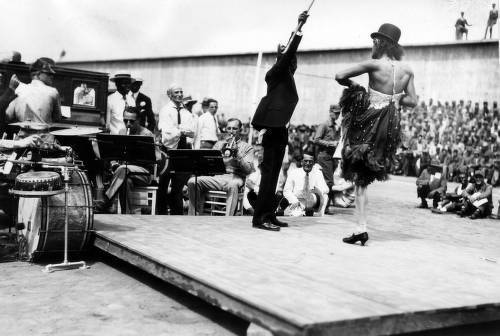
{"points": [[305, 281]]}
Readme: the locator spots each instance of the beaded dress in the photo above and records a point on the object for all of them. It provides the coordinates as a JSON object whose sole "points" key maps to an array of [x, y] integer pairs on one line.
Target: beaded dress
{"points": [[372, 133]]}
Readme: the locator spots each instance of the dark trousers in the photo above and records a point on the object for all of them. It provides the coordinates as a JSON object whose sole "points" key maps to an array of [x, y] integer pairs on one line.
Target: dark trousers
{"points": [[424, 192], [481, 211], [274, 142], [173, 200], [280, 201]]}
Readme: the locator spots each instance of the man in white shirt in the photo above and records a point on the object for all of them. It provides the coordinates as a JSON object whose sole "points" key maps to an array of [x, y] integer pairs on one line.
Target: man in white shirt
{"points": [[37, 101], [176, 125], [208, 127], [306, 189], [117, 102]]}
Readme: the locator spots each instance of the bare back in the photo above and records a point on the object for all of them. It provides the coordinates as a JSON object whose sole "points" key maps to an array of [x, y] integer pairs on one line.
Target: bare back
{"points": [[382, 76]]}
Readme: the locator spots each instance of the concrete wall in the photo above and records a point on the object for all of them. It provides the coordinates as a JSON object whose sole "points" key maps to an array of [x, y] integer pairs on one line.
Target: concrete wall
{"points": [[463, 70]]}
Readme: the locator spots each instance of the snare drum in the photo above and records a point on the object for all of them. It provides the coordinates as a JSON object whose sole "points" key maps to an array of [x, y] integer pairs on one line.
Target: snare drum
{"points": [[37, 184], [43, 219]]}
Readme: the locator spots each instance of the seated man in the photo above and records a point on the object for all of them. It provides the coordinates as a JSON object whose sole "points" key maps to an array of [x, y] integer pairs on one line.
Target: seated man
{"points": [[133, 174], [478, 201], [453, 201], [306, 189], [238, 159], [431, 184]]}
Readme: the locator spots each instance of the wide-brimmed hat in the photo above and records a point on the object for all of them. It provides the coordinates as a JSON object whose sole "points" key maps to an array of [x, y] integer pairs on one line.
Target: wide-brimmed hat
{"points": [[436, 166], [189, 100], [137, 77], [43, 64], [121, 76], [478, 173], [389, 31]]}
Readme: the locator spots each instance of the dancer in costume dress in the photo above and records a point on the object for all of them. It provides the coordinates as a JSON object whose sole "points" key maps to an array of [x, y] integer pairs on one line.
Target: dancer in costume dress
{"points": [[371, 120]]}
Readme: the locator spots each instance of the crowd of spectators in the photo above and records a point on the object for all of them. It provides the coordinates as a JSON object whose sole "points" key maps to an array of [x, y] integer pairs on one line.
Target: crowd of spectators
{"points": [[462, 137]]}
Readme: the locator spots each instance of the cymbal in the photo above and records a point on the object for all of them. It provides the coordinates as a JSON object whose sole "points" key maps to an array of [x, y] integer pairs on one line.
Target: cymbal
{"points": [[31, 125], [77, 131], [27, 162]]}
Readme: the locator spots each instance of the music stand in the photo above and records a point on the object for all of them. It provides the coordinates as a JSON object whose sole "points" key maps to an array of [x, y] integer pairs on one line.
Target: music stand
{"points": [[197, 162], [128, 148]]}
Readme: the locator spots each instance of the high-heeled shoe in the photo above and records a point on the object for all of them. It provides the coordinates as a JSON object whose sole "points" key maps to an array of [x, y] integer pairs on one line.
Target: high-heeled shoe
{"points": [[361, 237]]}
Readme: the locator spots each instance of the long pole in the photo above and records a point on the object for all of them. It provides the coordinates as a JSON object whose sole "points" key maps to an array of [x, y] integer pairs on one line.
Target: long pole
{"points": [[256, 82], [299, 27]]}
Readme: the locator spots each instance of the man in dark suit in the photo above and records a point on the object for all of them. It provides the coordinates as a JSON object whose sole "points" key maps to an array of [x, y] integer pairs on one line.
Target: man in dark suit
{"points": [[270, 119], [143, 104]]}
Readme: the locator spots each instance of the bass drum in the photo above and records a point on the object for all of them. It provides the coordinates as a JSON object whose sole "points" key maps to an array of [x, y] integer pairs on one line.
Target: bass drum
{"points": [[43, 220]]}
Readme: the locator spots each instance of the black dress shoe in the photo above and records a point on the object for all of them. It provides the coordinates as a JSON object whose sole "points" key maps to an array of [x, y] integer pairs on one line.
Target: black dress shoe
{"points": [[362, 237], [266, 226], [277, 222]]}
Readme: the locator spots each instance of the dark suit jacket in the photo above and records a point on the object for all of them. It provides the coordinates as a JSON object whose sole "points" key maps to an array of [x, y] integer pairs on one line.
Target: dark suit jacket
{"points": [[276, 108], [145, 108]]}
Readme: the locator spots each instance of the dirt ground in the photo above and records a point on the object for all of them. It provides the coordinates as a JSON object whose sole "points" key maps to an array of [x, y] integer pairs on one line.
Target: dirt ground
{"points": [[110, 298]]}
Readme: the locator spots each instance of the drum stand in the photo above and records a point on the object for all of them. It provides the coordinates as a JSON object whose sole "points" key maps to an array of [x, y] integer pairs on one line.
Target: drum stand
{"points": [[65, 265]]}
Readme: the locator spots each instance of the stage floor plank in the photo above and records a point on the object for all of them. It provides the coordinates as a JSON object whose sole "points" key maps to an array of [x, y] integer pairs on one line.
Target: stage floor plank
{"points": [[305, 280]]}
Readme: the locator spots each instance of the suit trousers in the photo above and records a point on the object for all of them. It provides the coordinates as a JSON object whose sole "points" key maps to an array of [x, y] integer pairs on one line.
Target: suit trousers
{"points": [[274, 142], [229, 183], [174, 200]]}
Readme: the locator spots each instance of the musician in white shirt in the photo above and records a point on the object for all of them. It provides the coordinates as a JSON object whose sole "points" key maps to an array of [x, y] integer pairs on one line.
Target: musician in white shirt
{"points": [[306, 200]]}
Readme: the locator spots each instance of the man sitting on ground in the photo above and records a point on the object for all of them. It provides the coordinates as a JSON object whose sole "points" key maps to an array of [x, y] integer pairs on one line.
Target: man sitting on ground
{"points": [[478, 201], [306, 189], [453, 201], [431, 184], [238, 159]]}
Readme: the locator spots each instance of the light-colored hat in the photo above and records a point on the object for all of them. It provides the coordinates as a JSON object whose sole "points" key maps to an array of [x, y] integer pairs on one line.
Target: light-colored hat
{"points": [[138, 77], [121, 76]]}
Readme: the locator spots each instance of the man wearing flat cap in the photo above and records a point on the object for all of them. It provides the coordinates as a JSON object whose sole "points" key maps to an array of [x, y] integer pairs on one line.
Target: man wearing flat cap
{"points": [[117, 102], [326, 140], [143, 104], [37, 101], [431, 184], [478, 201]]}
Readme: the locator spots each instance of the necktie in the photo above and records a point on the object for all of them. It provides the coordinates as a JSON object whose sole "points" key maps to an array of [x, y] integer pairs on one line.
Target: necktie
{"points": [[216, 125], [182, 140], [178, 115]]}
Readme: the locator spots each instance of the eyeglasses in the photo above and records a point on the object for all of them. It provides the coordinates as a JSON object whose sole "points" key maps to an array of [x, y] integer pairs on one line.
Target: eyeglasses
{"points": [[128, 121], [232, 128]]}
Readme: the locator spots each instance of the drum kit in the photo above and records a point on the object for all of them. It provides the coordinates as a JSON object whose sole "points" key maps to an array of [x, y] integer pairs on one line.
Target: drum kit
{"points": [[55, 207]]}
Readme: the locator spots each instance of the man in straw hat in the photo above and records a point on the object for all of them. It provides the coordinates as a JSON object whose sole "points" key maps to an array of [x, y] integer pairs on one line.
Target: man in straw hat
{"points": [[118, 102], [371, 119]]}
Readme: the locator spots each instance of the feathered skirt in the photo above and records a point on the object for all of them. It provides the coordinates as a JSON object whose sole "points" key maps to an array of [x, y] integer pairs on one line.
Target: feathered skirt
{"points": [[372, 137]]}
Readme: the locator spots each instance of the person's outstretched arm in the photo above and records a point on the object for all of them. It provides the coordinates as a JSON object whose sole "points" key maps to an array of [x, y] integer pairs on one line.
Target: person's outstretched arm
{"points": [[343, 77]]}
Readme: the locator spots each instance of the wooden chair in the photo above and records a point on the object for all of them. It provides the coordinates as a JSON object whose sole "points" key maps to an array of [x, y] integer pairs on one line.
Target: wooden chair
{"points": [[215, 203]]}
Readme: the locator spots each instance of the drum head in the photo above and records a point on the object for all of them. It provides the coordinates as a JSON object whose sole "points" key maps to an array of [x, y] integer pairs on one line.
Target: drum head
{"points": [[30, 213]]}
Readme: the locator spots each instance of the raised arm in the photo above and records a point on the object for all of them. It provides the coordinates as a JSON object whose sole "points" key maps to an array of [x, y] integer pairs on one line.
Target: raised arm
{"points": [[343, 77]]}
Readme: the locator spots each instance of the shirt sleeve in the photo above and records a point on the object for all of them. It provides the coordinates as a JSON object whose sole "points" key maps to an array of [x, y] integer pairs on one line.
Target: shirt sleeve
{"points": [[288, 189], [246, 159], [170, 134]]}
